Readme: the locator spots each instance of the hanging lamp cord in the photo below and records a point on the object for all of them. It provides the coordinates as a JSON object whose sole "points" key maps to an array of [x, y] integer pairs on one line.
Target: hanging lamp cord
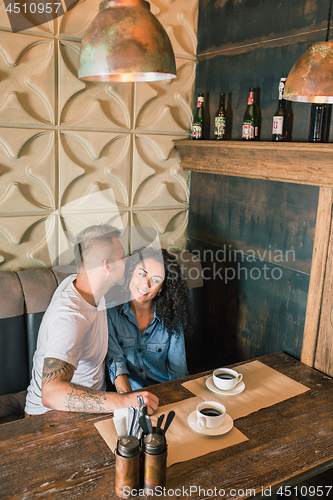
{"points": [[329, 21]]}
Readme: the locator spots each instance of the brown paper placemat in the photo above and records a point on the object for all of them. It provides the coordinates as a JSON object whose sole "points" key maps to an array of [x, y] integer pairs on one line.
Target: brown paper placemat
{"points": [[264, 387], [183, 442]]}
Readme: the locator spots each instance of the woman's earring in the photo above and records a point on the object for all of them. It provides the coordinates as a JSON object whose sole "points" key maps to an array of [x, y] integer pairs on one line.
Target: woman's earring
{"points": [[158, 293]]}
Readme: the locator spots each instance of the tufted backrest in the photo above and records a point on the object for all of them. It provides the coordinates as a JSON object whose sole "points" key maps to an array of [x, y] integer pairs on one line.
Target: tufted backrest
{"points": [[24, 297]]}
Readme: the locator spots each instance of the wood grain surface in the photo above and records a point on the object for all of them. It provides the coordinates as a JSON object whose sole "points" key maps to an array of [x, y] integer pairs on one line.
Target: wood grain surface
{"points": [[301, 163], [61, 455], [324, 349], [316, 287]]}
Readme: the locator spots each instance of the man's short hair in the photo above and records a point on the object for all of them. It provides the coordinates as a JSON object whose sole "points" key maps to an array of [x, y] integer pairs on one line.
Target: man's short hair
{"points": [[87, 241]]}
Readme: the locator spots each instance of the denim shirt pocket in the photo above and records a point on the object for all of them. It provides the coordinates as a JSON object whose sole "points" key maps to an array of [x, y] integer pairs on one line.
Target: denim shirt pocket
{"points": [[157, 348], [157, 359]]}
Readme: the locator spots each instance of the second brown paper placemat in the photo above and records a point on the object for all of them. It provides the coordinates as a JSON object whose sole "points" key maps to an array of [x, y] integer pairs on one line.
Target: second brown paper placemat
{"points": [[264, 387]]}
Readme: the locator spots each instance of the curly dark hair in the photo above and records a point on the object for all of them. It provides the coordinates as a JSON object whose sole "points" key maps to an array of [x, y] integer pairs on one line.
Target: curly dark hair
{"points": [[173, 304]]}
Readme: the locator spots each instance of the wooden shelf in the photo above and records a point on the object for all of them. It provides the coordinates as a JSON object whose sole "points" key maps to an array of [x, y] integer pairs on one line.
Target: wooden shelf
{"points": [[298, 162]]}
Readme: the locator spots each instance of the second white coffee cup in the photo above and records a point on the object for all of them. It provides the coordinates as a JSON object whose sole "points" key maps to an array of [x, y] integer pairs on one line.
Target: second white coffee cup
{"points": [[226, 378], [210, 414]]}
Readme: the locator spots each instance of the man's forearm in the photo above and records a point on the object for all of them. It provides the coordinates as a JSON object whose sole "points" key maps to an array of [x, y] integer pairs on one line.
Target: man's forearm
{"points": [[59, 393], [73, 397], [83, 399]]}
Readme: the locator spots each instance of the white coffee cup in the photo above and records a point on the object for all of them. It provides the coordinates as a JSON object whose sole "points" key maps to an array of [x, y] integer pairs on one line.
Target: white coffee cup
{"points": [[226, 379], [210, 414]]}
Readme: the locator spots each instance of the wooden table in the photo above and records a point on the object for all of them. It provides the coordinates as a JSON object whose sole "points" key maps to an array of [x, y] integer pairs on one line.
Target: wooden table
{"points": [[61, 455]]}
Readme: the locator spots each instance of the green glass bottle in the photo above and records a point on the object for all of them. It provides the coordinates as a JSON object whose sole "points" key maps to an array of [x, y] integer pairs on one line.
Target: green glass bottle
{"points": [[198, 125], [280, 116], [250, 119], [220, 120]]}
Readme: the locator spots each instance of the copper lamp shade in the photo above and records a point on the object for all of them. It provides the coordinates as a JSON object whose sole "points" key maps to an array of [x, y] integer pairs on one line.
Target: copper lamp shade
{"points": [[126, 43], [311, 77]]}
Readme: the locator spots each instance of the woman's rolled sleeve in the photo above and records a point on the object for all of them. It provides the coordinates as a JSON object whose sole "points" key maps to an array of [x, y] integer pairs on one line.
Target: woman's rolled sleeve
{"points": [[117, 366]]}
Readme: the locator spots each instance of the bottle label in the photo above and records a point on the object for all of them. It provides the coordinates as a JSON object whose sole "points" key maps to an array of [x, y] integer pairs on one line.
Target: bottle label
{"points": [[196, 131], [248, 130], [250, 100], [219, 128], [281, 88], [277, 125], [200, 102]]}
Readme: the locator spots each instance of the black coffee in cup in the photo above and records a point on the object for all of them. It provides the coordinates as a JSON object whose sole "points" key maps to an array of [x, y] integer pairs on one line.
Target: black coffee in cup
{"points": [[225, 376], [211, 412]]}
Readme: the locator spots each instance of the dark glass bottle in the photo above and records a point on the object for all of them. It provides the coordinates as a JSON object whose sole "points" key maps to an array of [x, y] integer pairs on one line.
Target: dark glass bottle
{"points": [[250, 119], [198, 125], [320, 122], [280, 116], [220, 120]]}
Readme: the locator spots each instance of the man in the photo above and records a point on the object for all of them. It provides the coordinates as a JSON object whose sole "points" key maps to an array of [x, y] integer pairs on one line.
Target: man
{"points": [[68, 365]]}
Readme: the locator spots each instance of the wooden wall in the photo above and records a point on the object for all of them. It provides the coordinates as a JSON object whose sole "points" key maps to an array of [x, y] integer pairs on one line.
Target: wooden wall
{"points": [[254, 239], [265, 228], [245, 43]]}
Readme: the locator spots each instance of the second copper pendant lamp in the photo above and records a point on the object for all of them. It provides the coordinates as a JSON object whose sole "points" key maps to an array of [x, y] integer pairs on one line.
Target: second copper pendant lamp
{"points": [[311, 77]]}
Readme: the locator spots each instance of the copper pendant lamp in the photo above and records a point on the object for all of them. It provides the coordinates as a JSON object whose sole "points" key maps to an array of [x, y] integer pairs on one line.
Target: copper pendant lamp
{"points": [[311, 77], [126, 43]]}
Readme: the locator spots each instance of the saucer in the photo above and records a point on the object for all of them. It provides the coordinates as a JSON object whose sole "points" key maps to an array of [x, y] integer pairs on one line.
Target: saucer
{"points": [[217, 431], [236, 390]]}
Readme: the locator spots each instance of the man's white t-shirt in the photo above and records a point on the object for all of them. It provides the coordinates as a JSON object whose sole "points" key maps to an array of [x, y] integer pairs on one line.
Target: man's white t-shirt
{"points": [[73, 331]]}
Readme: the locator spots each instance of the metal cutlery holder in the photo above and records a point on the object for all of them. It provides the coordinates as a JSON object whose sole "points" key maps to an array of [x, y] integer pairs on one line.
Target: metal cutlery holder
{"points": [[154, 462], [141, 463], [128, 460]]}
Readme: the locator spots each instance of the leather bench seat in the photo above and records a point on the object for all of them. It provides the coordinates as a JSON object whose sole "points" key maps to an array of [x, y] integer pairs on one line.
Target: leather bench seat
{"points": [[24, 297]]}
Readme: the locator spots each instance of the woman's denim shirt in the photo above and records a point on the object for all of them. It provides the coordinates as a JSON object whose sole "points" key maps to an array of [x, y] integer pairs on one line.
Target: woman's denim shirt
{"points": [[147, 358]]}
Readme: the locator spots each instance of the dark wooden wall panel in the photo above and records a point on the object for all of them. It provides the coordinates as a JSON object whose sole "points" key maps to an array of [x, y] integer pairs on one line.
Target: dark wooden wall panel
{"points": [[252, 43], [273, 220], [228, 22], [251, 308], [255, 241]]}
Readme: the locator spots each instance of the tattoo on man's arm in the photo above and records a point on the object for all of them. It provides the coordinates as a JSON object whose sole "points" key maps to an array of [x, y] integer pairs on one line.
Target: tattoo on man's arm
{"points": [[84, 399], [55, 369]]}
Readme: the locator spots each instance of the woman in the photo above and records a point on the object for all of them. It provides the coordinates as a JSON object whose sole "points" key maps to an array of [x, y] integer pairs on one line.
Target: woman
{"points": [[146, 334]]}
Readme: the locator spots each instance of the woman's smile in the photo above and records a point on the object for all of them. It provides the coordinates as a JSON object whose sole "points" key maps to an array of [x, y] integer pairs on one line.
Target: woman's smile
{"points": [[147, 280]]}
